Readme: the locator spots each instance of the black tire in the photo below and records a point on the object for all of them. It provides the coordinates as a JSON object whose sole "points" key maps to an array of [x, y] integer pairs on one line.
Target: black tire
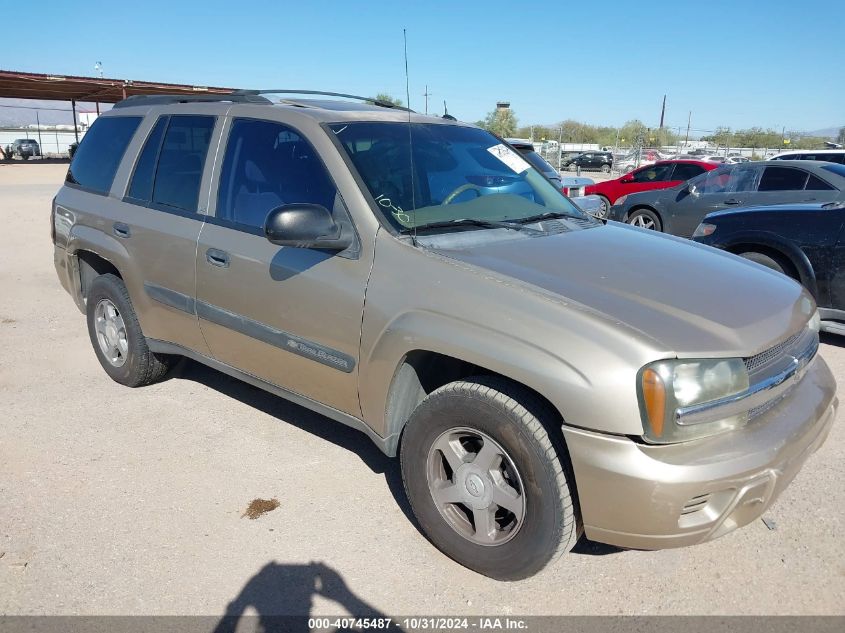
{"points": [[514, 418], [605, 213], [141, 366], [646, 216], [775, 263]]}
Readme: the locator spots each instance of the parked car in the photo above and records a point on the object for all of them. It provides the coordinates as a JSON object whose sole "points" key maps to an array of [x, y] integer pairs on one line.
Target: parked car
{"points": [[526, 148], [828, 155], [477, 345], [602, 161], [660, 175], [679, 210], [638, 159], [26, 148], [803, 241]]}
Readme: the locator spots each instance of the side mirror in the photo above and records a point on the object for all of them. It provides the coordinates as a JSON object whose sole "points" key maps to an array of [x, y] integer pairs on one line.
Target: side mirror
{"points": [[627, 179], [305, 226], [693, 190]]}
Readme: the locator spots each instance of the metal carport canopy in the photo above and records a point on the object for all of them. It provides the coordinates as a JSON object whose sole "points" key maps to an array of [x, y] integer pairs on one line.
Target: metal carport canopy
{"points": [[19, 85]]}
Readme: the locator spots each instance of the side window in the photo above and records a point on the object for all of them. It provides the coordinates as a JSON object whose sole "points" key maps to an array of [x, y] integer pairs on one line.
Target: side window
{"points": [[653, 173], [266, 165], [141, 187], [685, 171], [817, 184], [180, 162], [100, 152], [782, 179], [742, 179]]}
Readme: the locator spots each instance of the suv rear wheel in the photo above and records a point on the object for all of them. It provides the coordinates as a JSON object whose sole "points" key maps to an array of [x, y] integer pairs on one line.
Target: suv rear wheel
{"points": [[486, 481], [117, 338]]}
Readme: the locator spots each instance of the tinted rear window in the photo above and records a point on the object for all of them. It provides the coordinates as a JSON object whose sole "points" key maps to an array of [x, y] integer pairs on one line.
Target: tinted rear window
{"points": [[180, 161], [100, 152], [142, 180], [782, 179]]}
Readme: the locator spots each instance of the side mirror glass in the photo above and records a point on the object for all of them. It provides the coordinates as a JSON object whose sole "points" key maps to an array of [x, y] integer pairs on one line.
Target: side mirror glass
{"points": [[306, 226], [693, 190]]}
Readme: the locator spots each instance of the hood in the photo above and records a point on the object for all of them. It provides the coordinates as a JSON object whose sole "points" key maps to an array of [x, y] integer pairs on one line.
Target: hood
{"points": [[689, 299]]}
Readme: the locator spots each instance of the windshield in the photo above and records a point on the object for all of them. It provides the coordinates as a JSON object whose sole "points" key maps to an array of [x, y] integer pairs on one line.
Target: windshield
{"points": [[458, 173]]}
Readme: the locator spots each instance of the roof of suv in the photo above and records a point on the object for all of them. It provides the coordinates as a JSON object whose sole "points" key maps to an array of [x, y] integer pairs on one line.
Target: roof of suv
{"points": [[321, 109]]}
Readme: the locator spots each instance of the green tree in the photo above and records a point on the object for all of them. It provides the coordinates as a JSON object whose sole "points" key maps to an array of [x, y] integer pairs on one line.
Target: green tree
{"points": [[502, 122], [386, 98], [841, 137]]}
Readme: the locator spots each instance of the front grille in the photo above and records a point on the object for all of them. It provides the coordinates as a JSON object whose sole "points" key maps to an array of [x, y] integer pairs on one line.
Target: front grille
{"points": [[758, 361]]}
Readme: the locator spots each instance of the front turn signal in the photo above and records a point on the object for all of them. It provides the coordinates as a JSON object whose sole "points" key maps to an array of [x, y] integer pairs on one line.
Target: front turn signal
{"points": [[654, 399]]}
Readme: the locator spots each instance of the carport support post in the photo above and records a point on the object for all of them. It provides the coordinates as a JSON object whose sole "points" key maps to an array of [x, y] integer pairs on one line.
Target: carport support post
{"points": [[73, 109], [40, 144]]}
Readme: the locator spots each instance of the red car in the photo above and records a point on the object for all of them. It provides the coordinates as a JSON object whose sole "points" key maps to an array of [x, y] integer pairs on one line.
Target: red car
{"points": [[661, 175]]}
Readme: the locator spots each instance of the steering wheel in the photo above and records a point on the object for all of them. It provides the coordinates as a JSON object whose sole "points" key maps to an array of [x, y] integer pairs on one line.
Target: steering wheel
{"points": [[455, 193]]}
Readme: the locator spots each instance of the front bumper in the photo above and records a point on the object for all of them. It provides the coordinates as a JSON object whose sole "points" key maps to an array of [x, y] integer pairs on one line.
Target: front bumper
{"points": [[653, 497]]}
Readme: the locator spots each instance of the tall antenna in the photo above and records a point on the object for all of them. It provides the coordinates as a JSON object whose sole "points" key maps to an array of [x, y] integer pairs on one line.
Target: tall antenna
{"points": [[410, 144]]}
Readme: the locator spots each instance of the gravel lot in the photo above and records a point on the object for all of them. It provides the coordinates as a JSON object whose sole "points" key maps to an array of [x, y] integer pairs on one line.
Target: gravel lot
{"points": [[122, 501]]}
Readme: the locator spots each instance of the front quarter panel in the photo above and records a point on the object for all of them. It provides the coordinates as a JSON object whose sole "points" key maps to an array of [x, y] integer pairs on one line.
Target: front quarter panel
{"points": [[584, 363]]}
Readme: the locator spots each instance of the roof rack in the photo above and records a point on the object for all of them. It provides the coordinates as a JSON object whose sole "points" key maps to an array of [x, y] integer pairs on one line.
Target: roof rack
{"points": [[383, 104], [154, 100]]}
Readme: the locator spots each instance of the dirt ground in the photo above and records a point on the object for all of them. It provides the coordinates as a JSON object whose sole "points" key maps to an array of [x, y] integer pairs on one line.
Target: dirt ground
{"points": [[132, 501]]}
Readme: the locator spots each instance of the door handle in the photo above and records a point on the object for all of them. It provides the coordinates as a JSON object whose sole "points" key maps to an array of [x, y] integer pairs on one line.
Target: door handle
{"points": [[732, 201], [216, 257], [121, 230]]}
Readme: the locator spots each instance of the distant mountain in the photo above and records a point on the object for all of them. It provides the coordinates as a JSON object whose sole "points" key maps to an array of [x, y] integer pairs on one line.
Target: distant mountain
{"points": [[828, 132]]}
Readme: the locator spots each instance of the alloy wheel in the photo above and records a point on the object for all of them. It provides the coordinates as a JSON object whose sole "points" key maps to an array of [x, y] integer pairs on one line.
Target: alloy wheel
{"points": [[111, 333], [476, 486]]}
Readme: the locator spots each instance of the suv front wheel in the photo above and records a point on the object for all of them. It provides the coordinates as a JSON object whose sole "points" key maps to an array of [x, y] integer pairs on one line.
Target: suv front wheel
{"points": [[117, 338], [487, 482]]}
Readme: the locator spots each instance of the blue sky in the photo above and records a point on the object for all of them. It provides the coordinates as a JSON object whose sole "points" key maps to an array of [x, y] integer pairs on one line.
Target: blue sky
{"points": [[738, 63]]}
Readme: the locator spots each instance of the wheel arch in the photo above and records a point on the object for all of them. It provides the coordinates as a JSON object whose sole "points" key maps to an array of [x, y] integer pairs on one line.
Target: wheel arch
{"points": [[771, 244], [421, 371], [92, 253]]}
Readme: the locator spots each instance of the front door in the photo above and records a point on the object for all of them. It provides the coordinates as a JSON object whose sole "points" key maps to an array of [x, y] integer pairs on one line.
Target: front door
{"points": [[290, 316]]}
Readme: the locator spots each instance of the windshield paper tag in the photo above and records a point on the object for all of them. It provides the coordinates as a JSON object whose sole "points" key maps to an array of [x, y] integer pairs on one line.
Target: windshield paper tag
{"points": [[509, 157]]}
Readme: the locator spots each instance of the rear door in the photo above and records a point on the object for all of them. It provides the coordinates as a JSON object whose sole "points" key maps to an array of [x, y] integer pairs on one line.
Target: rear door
{"points": [[161, 218], [789, 185], [290, 316]]}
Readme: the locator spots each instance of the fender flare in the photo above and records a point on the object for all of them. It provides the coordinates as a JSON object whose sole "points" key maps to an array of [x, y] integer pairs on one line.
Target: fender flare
{"points": [[524, 362]]}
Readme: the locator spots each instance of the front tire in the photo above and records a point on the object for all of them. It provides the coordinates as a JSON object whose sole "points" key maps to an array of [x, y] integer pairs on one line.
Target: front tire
{"points": [[767, 261], [489, 485], [117, 338], [645, 219], [604, 211]]}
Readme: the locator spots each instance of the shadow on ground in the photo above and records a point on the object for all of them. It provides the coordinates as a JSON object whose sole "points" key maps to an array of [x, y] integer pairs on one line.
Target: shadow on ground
{"points": [[314, 423], [280, 598]]}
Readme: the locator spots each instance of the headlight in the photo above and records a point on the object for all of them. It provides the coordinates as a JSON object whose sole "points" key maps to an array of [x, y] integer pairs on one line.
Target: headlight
{"points": [[668, 385], [621, 199], [703, 230]]}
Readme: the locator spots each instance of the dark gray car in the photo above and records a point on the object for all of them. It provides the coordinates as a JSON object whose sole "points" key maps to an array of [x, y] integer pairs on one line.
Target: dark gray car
{"points": [[680, 209]]}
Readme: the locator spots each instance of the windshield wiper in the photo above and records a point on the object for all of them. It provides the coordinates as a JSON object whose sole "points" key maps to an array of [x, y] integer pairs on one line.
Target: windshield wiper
{"points": [[548, 215], [489, 224]]}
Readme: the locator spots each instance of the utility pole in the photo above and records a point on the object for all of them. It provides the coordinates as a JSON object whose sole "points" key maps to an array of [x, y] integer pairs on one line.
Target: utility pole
{"points": [[559, 141], [689, 119], [662, 112], [426, 94]]}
